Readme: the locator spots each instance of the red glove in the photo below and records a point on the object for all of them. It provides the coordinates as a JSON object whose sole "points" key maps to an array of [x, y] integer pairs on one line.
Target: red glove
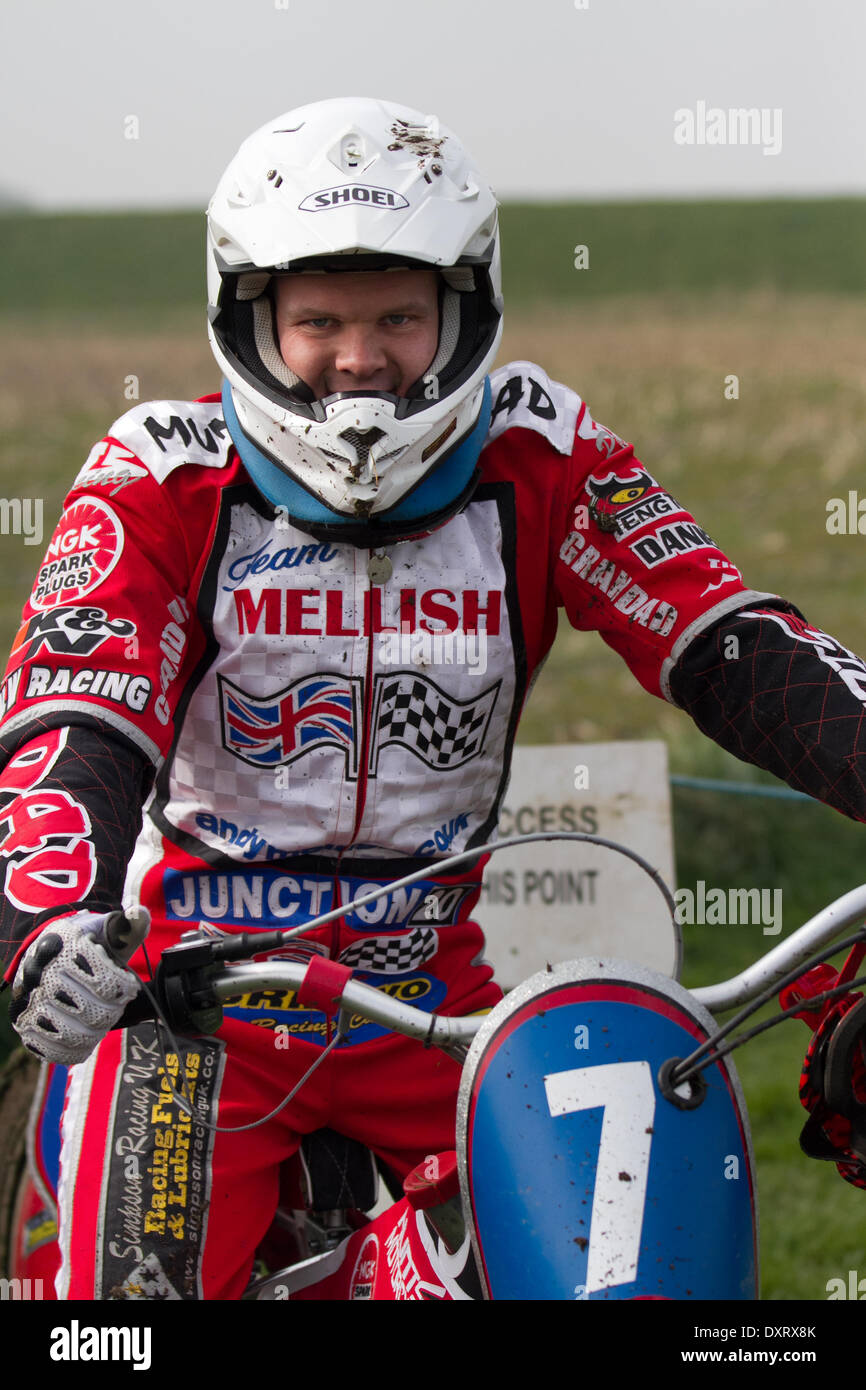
{"points": [[833, 1078]]}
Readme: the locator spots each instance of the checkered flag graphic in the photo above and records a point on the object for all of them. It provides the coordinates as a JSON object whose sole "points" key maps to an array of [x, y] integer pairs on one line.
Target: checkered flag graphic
{"points": [[414, 712], [392, 955]]}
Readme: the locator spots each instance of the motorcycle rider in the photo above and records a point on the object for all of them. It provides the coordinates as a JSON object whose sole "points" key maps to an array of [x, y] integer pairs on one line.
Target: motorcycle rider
{"points": [[210, 709]]}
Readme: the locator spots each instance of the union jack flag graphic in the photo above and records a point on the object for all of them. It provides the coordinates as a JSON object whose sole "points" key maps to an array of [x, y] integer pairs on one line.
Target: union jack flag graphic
{"points": [[313, 712]]}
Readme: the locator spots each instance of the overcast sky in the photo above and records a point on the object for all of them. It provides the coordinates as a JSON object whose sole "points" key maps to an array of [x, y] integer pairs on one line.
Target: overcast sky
{"points": [[556, 98]]}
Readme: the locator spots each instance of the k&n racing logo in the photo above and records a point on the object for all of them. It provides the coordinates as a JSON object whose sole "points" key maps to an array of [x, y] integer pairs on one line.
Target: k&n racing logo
{"points": [[70, 631]]}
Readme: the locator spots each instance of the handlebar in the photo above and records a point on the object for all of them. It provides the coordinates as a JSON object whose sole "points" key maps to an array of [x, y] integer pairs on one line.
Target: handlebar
{"points": [[191, 985], [193, 982], [123, 932], [819, 931], [356, 998]]}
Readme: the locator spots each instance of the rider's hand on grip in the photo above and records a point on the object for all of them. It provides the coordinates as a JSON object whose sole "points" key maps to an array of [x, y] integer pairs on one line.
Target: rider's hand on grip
{"points": [[72, 985], [833, 1079]]}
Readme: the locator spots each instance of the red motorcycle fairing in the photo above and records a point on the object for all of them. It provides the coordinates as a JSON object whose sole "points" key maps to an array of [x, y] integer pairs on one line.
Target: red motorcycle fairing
{"points": [[399, 1256]]}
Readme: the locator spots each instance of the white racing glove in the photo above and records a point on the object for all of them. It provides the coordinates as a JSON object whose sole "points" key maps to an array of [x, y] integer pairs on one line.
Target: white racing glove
{"points": [[68, 992]]}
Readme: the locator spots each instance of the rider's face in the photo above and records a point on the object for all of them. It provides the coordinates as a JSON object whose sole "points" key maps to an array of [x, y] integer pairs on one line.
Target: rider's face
{"points": [[358, 330]]}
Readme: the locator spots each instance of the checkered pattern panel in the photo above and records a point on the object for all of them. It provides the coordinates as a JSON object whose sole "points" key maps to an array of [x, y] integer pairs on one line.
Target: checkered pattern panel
{"points": [[443, 732], [392, 955]]}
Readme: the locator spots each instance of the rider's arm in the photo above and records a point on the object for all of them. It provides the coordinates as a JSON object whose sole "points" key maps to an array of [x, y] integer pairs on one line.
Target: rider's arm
{"points": [[70, 810], [636, 567], [776, 692], [105, 643]]}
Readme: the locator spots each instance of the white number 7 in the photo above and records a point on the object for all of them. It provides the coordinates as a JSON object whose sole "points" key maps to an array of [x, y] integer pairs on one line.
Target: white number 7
{"points": [[625, 1091]]}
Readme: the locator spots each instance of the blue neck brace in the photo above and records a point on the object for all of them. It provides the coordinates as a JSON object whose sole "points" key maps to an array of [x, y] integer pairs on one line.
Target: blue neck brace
{"points": [[447, 481]]}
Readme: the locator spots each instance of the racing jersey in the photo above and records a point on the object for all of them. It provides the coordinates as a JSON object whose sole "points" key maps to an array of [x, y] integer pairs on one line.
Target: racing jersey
{"points": [[305, 717]]}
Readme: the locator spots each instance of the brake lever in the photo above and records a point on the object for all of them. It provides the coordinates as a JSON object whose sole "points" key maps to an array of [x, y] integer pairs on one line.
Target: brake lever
{"points": [[180, 989], [122, 933]]}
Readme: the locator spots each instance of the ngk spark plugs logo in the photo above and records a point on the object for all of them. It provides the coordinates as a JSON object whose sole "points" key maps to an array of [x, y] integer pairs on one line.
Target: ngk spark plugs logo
{"points": [[83, 550], [364, 1273]]}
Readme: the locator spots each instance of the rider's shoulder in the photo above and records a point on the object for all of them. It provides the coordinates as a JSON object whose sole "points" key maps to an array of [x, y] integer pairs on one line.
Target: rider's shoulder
{"points": [[158, 437], [524, 397]]}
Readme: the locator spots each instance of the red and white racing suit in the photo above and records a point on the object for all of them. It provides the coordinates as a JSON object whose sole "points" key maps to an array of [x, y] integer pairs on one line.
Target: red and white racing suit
{"points": [[300, 725]]}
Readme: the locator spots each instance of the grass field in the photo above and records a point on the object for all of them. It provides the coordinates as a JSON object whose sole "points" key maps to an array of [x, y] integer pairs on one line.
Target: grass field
{"points": [[137, 264], [679, 297]]}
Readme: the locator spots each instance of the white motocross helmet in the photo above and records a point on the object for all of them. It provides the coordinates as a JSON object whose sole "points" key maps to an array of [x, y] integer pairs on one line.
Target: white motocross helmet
{"points": [[356, 184]]}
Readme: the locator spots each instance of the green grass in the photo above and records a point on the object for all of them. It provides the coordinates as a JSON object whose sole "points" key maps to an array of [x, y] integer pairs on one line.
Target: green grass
{"points": [[122, 266], [684, 248], [114, 266]]}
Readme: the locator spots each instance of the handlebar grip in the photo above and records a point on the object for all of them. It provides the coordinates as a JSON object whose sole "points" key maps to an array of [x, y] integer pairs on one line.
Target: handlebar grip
{"points": [[140, 1010]]}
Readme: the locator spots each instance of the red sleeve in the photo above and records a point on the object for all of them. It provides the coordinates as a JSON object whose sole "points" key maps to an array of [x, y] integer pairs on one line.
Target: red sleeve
{"points": [[635, 565], [108, 632]]}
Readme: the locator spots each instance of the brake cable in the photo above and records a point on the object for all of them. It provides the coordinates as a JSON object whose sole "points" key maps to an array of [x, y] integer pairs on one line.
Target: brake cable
{"points": [[184, 1102], [690, 1066]]}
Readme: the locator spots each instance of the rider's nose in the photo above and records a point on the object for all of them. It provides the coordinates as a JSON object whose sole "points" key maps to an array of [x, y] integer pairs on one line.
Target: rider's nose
{"points": [[359, 353]]}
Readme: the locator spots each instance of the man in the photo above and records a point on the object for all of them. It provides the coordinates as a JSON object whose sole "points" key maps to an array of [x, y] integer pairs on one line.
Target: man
{"points": [[213, 636]]}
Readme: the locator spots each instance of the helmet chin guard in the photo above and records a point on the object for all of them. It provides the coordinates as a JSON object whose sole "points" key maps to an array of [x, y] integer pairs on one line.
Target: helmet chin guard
{"points": [[441, 495], [355, 185]]}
